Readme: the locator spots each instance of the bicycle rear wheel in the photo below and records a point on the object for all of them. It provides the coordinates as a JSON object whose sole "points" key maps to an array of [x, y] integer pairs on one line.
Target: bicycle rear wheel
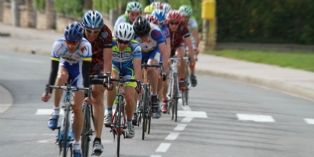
{"points": [[87, 131], [119, 126], [145, 111], [174, 97]]}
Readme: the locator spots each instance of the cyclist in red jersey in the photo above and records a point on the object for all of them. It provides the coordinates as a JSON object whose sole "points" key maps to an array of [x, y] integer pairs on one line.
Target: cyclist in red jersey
{"points": [[100, 37], [179, 38]]}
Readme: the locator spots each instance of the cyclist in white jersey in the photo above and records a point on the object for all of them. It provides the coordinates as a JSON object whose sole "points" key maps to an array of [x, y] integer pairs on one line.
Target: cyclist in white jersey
{"points": [[70, 60], [133, 10], [187, 12]]}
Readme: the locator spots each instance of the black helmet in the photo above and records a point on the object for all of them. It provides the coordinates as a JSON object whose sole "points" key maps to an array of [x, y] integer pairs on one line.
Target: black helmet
{"points": [[141, 26]]}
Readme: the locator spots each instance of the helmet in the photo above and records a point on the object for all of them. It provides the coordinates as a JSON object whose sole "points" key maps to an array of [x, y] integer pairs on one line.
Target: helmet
{"points": [[166, 7], [160, 15], [124, 31], [73, 32], [186, 10], [134, 6], [93, 19], [157, 5], [141, 26], [152, 19], [148, 9], [174, 15]]}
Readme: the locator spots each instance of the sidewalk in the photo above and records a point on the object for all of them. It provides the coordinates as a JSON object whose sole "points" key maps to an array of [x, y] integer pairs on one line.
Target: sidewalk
{"points": [[295, 82]]}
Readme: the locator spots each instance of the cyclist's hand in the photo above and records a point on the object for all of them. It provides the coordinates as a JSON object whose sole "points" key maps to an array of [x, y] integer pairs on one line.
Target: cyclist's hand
{"points": [[138, 87], [45, 97]]}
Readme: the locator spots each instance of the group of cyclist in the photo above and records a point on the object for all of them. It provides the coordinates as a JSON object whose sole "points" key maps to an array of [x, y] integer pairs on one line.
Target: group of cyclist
{"points": [[90, 48]]}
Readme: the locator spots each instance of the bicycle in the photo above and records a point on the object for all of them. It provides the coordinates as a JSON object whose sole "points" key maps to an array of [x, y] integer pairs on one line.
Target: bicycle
{"points": [[87, 109], [144, 109], [64, 139], [118, 123]]}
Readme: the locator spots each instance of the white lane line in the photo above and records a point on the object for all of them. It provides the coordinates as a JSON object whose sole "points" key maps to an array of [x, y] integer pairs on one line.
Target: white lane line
{"points": [[172, 136], [186, 108], [180, 127], [46, 112], [255, 118], [163, 147], [155, 155], [187, 120], [193, 114], [309, 121]]}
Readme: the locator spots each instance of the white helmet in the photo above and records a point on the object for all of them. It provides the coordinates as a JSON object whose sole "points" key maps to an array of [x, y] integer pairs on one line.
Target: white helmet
{"points": [[124, 31]]}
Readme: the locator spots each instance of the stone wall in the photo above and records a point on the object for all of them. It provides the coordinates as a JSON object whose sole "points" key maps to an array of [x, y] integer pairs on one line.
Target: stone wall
{"points": [[62, 22], [27, 17], [7, 13]]}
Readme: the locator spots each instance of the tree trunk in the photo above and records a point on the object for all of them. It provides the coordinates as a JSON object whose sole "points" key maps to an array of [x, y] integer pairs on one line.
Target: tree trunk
{"points": [[88, 5]]}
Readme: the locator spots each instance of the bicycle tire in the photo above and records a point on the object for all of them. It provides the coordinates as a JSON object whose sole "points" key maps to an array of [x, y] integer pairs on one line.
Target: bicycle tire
{"points": [[145, 113], [120, 128], [149, 110], [86, 132], [174, 97], [64, 142]]}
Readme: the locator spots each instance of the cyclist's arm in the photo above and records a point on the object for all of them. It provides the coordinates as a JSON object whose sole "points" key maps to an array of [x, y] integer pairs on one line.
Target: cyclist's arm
{"points": [[196, 37], [53, 72], [137, 61], [188, 43]]}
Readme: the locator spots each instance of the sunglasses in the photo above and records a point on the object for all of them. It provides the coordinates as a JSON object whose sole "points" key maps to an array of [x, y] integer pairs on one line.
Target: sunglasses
{"points": [[174, 23], [135, 13], [92, 31], [123, 42]]}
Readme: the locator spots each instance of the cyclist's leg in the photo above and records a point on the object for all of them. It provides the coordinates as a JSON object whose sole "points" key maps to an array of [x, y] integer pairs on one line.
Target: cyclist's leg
{"points": [[111, 94], [98, 111], [153, 72], [78, 116], [61, 80], [129, 108], [181, 67]]}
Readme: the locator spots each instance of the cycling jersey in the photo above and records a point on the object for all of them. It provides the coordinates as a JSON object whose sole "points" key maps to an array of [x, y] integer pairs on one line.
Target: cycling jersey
{"points": [[123, 19], [104, 40], [150, 48], [165, 30], [192, 24], [71, 61], [177, 37], [122, 61]]}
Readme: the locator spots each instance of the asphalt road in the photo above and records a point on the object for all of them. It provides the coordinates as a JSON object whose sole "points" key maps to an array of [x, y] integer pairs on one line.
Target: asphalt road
{"points": [[225, 119]]}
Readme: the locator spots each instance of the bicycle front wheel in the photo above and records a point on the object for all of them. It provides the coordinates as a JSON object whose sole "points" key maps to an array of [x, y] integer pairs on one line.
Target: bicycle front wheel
{"points": [[87, 132], [64, 143]]}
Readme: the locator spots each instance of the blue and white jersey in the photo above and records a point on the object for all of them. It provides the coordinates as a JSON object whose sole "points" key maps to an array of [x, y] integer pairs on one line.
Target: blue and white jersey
{"points": [[192, 24], [60, 52], [165, 30], [155, 37], [125, 58]]}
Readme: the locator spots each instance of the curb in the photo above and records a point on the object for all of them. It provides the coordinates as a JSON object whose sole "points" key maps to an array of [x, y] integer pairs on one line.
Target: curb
{"points": [[6, 99], [275, 85]]}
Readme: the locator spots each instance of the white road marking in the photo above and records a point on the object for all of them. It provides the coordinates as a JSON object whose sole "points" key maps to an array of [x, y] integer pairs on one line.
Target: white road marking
{"points": [[192, 114], [46, 112], [180, 127], [309, 121], [155, 155], [163, 147], [6, 99], [172, 136], [255, 117], [186, 108], [187, 120]]}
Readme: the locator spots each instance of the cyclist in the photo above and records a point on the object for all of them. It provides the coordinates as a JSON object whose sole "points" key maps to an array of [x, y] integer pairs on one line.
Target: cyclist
{"points": [[70, 60], [187, 12], [126, 63], [163, 87], [133, 10], [99, 35], [153, 44], [180, 38]]}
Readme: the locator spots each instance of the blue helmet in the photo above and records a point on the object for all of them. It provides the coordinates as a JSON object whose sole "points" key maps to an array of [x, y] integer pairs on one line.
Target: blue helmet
{"points": [[93, 19], [160, 15], [73, 32]]}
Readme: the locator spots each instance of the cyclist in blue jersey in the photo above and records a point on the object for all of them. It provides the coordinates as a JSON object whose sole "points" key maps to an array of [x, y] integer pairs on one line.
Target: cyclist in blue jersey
{"points": [[153, 44], [126, 62], [161, 17], [70, 60]]}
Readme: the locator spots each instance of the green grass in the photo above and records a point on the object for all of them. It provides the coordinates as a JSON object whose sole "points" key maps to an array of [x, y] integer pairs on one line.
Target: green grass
{"points": [[298, 60]]}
